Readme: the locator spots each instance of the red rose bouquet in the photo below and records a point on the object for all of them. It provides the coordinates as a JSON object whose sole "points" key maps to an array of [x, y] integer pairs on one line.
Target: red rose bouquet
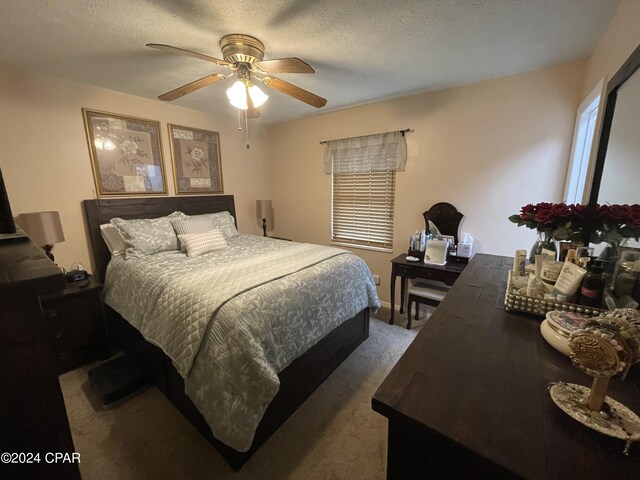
{"points": [[615, 223], [557, 221]]}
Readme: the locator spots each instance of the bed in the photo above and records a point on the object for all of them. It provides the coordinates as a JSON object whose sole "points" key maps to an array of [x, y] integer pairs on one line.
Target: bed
{"points": [[182, 364]]}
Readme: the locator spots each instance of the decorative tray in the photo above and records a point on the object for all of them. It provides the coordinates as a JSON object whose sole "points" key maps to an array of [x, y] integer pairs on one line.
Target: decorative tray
{"points": [[515, 302]]}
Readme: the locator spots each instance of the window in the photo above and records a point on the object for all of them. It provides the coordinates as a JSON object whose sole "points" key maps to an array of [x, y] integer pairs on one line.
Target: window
{"points": [[362, 209], [583, 153], [363, 174]]}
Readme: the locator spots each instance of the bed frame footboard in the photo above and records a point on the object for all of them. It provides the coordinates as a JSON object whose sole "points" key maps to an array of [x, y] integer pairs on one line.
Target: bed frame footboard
{"points": [[297, 382]]}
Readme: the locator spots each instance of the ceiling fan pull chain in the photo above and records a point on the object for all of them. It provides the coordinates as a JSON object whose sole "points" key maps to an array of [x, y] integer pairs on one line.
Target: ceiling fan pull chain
{"points": [[246, 127], [239, 121]]}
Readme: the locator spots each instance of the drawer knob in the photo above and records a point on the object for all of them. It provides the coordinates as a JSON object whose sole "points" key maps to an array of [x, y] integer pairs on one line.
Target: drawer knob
{"points": [[59, 334]]}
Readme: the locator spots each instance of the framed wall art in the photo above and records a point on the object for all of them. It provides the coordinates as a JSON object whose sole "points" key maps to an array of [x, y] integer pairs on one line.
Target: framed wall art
{"points": [[196, 160], [126, 154]]}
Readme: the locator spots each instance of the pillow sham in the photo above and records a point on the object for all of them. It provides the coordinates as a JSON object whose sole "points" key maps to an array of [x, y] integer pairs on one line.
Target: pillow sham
{"points": [[201, 243], [113, 239], [146, 236], [223, 221]]}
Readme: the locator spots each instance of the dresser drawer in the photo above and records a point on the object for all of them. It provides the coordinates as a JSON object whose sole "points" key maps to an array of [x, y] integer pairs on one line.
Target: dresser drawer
{"points": [[404, 270], [73, 334], [64, 310], [74, 326], [429, 273]]}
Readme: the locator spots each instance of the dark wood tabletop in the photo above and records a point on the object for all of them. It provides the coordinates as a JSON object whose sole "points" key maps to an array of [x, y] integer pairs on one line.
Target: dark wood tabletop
{"points": [[470, 395]]}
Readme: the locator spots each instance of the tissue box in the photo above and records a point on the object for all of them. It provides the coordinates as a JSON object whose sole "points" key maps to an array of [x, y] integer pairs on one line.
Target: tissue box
{"points": [[464, 249]]}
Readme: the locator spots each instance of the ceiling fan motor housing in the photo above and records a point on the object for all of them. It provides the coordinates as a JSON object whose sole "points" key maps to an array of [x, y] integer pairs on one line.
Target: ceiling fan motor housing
{"points": [[238, 48]]}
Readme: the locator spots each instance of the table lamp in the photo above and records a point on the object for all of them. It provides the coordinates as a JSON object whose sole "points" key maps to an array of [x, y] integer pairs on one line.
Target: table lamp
{"points": [[264, 212], [44, 228]]}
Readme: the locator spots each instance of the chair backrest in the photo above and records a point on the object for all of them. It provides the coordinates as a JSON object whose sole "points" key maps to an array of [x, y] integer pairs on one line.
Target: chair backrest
{"points": [[444, 216]]}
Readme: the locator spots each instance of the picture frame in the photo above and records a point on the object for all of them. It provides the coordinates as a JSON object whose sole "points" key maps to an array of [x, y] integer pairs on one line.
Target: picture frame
{"points": [[126, 154], [196, 160]]}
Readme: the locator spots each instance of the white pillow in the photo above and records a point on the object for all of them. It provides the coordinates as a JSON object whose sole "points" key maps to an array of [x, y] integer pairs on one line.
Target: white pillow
{"points": [[113, 239], [201, 243]]}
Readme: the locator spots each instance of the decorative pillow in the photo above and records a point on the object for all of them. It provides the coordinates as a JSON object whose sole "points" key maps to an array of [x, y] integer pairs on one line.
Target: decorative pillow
{"points": [[223, 221], [201, 243], [146, 236], [112, 239], [196, 224]]}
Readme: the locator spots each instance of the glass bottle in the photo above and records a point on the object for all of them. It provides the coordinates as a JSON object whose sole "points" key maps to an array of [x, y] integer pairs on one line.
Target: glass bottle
{"points": [[592, 286]]}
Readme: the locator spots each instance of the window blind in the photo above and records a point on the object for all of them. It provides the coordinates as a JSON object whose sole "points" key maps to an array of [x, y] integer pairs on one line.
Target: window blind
{"points": [[363, 205], [363, 171]]}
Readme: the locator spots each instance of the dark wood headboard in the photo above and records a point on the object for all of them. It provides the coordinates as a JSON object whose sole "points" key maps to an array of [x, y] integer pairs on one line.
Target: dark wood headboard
{"points": [[99, 211]]}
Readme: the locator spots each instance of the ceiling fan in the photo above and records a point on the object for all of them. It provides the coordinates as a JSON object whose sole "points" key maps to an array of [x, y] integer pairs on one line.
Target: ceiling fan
{"points": [[243, 54]]}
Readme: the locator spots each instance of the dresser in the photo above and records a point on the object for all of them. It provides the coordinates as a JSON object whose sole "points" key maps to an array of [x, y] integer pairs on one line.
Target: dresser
{"points": [[33, 418], [469, 399]]}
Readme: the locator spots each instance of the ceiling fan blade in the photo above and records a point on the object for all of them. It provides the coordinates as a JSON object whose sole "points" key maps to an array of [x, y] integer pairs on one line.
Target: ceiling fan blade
{"points": [[190, 87], [295, 92], [189, 53], [285, 65]]}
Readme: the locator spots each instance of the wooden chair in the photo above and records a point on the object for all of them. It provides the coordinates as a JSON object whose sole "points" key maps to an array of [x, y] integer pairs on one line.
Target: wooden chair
{"points": [[428, 292]]}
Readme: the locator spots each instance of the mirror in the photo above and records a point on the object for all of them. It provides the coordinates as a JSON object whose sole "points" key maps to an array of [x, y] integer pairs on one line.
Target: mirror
{"points": [[617, 168], [621, 171]]}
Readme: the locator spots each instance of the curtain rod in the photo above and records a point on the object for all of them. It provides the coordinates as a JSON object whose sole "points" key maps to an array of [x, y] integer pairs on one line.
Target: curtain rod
{"points": [[406, 130]]}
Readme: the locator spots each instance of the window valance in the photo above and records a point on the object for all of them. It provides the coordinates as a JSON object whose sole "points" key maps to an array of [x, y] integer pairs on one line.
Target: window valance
{"points": [[371, 153]]}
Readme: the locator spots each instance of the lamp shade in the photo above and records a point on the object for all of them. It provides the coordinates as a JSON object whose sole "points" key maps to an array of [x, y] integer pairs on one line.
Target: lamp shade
{"points": [[44, 228], [258, 97], [237, 95], [263, 210]]}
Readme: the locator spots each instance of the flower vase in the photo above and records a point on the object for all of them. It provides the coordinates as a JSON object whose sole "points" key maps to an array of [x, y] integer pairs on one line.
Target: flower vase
{"points": [[609, 258], [542, 243]]}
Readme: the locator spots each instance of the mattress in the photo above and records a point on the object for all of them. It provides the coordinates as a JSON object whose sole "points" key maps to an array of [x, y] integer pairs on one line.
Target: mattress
{"points": [[231, 320]]}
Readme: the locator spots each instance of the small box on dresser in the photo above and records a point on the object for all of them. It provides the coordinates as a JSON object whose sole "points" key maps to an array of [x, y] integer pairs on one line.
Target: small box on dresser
{"points": [[75, 325]]}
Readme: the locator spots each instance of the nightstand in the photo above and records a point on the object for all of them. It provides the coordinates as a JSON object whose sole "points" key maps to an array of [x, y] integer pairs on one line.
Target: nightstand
{"points": [[75, 325]]}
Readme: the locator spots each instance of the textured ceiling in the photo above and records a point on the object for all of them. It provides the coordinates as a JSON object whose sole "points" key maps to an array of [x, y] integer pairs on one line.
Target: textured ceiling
{"points": [[362, 50]]}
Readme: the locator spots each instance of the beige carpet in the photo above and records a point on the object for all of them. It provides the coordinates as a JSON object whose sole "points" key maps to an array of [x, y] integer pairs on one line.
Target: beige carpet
{"points": [[334, 435]]}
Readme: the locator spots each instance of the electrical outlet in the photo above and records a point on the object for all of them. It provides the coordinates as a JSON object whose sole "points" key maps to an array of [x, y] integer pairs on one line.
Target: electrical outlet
{"points": [[376, 279]]}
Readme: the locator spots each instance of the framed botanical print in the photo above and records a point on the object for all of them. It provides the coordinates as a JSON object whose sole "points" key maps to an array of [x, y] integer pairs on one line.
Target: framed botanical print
{"points": [[197, 166], [126, 154]]}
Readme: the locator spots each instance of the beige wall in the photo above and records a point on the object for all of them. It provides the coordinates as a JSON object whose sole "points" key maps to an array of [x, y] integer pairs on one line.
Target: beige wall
{"points": [[620, 39], [45, 159], [488, 148]]}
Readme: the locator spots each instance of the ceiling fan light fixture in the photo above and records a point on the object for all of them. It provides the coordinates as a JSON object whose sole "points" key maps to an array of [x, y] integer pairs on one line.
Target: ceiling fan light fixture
{"points": [[257, 96], [244, 55], [237, 95]]}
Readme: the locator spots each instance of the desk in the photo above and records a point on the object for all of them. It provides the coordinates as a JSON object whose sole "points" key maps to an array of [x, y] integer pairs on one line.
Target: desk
{"points": [[404, 269], [469, 399]]}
